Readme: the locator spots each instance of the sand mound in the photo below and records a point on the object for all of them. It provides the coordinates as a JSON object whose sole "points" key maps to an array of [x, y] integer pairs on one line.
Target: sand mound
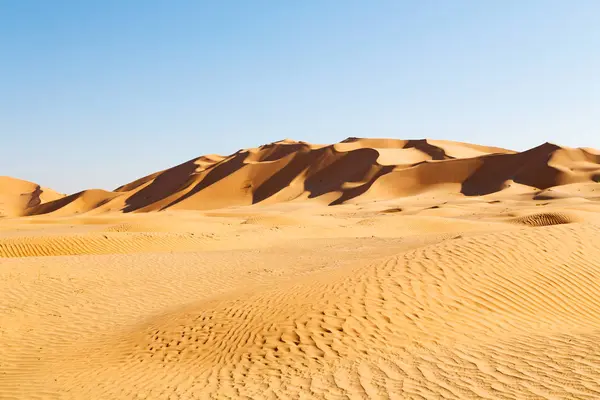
{"points": [[18, 196], [542, 167], [77, 203], [544, 219], [589, 190]]}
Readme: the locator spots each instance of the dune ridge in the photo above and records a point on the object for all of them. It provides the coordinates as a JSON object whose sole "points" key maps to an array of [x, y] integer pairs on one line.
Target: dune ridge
{"points": [[353, 170], [17, 196]]}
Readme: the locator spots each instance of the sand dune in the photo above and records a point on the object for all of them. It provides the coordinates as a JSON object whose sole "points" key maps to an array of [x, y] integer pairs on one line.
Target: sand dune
{"points": [[353, 170], [444, 271], [18, 197]]}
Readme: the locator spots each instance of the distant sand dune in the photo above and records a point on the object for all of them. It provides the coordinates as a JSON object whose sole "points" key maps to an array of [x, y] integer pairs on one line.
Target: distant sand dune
{"points": [[18, 196], [350, 171]]}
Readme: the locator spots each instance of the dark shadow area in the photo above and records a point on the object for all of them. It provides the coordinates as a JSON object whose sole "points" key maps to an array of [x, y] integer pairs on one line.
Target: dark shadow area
{"points": [[392, 210], [357, 191], [215, 174], [276, 151], [529, 168], [332, 171], [35, 199], [164, 185], [543, 197], [434, 152], [137, 183], [54, 205], [353, 166], [284, 177]]}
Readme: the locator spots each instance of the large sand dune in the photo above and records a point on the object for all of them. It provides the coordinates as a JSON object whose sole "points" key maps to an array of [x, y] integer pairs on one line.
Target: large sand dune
{"points": [[444, 271], [353, 170]]}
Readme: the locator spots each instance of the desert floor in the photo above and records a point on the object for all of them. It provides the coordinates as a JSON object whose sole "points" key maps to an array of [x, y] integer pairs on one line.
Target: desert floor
{"points": [[425, 297]]}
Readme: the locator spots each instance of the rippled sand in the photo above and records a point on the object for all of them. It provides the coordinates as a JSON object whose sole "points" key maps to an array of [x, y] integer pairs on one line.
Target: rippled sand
{"points": [[428, 297]]}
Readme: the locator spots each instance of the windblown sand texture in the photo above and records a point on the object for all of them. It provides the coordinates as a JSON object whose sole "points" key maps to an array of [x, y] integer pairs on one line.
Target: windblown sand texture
{"points": [[371, 268]]}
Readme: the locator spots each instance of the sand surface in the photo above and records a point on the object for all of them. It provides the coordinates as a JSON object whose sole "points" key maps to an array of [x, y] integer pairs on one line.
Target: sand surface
{"points": [[371, 268]]}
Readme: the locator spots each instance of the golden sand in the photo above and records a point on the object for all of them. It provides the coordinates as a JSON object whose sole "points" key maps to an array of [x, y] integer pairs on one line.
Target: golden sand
{"points": [[444, 270]]}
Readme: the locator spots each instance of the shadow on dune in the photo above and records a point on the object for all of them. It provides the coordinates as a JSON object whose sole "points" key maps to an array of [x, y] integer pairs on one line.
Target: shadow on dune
{"points": [[326, 171], [275, 151], [355, 166], [357, 191], [529, 168], [35, 199], [423, 145], [284, 177], [164, 185], [216, 173], [347, 173], [90, 198], [52, 206]]}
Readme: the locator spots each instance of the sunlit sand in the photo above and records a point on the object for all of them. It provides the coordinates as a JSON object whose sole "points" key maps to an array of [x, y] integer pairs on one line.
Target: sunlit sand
{"points": [[371, 268]]}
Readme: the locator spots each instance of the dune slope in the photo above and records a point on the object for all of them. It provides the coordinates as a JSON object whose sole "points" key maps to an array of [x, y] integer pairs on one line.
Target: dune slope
{"points": [[353, 170], [18, 197]]}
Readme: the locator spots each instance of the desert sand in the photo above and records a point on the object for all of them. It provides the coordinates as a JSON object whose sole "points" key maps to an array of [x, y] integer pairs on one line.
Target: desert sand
{"points": [[370, 268]]}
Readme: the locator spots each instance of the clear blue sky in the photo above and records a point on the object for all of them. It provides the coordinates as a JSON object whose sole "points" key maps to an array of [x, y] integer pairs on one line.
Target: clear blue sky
{"points": [[94, 94]]}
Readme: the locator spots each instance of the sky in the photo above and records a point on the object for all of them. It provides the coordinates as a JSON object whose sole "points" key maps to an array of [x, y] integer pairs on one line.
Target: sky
{"points": [[94, 94]]}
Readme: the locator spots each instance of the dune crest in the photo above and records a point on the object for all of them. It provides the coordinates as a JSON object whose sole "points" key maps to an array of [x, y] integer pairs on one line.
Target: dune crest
{"points": [[18, 197], [352, 170]]}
